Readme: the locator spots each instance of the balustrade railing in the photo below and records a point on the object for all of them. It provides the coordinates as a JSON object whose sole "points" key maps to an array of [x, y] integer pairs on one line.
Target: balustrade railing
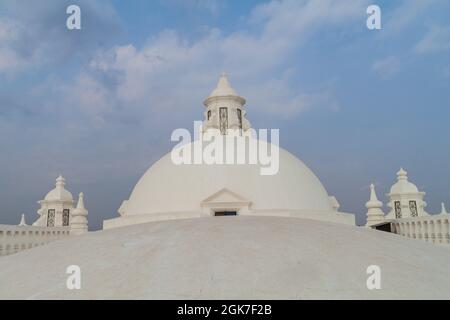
{"points": [[17, 238]]}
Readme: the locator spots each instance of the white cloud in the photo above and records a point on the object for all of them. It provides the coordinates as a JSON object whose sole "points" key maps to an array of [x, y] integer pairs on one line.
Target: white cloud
{"points": [[386, 67], [404, 15], [212, 6], [9, 33], [171, 74], [437, 39], [34, 35]]}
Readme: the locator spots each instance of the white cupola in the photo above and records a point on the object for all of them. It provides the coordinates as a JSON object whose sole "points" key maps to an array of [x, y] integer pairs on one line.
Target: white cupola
{"points": [[79, 223], [225, 109], [374, 212], [56, 207], [405, 200]]}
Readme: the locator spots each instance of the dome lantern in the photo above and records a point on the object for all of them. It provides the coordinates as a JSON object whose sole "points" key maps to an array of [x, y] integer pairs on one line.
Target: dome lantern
{"points": [[405, 199], [56, 207], [225, 109]]}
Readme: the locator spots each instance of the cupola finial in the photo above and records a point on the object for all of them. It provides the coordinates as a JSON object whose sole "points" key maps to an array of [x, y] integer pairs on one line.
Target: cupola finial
{"points": [[80, 204], [443, 209], [22, 222], [60, 182], [402, 174]]}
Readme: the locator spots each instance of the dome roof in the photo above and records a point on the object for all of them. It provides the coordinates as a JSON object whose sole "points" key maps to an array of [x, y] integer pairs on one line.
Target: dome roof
{"points": [[403, 186], [167, 187], [175, 191], [230, 258], [59, 193]]}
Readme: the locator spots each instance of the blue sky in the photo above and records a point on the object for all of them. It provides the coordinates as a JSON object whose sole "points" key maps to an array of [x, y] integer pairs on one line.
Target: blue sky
{"points": [[98, 104]]}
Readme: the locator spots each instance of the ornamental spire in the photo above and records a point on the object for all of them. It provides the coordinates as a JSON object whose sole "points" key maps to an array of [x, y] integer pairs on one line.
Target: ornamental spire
{"points": [[79, 222], [223, 88], [60, 182], [402, 174], [22, 222], [374, 212], [373, 197], [443, 210], [80, 204]]}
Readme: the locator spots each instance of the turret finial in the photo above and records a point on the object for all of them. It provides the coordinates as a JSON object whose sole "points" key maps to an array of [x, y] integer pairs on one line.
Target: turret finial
{"points": [[80, 204], [443, 210], [373, 201], [60, 181], [402, 174], [374, 212], [22, 222]]}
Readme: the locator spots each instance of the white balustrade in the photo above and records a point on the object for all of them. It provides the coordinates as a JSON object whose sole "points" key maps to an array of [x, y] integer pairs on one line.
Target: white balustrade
{"points": [[17, 238], [434, 228]]}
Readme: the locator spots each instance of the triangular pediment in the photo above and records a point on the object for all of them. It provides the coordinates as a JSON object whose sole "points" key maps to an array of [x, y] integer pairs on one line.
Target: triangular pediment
{"points": [[225, 196]]}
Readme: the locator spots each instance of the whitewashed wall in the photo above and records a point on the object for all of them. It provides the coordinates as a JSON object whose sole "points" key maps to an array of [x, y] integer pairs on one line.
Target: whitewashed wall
{"points": [[17, 238]]}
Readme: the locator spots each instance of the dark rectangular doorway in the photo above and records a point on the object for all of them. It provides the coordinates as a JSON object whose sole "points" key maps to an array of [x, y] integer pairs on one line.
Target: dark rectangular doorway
{"points": [[225, 213]]}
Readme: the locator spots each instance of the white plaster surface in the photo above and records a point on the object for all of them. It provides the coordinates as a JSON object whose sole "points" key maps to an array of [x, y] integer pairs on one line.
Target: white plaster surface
{"points": [[230, 257]]}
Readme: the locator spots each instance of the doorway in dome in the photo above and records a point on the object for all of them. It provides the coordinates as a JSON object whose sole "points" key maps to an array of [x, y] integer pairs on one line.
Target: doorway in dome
{"points": [[225, 213]]}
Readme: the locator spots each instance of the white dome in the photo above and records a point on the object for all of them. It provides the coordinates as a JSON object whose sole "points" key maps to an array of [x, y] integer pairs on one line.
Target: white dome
{"points": [[59, 193], [403, 186], [167, 187], [171, 191]]}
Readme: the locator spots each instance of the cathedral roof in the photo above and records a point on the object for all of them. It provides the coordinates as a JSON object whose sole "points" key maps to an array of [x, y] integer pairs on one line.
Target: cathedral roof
{"points": [[237, 258]]}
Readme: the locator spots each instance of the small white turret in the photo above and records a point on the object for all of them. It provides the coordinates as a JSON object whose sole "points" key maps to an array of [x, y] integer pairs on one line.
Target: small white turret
{"points": [[56, 207], [22, 222], [405, 199], [79, 222], [225, 109], [374, 212]]}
